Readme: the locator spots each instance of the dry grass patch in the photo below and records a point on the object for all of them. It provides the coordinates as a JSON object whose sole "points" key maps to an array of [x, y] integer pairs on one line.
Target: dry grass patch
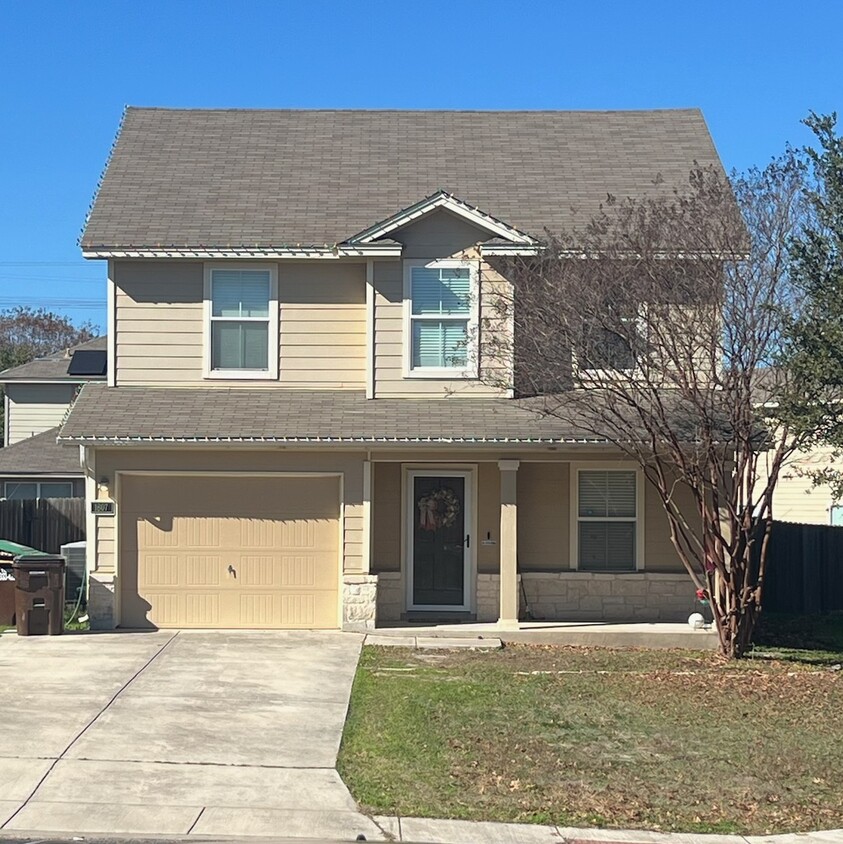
{"points": [[643, 739]]}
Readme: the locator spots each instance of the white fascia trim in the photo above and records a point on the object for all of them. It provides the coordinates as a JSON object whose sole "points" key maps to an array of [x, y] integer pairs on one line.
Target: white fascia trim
{"points": [[504, 249], [370, 329], [433, 441], [328, 253], [450, 203], [111, 327]]}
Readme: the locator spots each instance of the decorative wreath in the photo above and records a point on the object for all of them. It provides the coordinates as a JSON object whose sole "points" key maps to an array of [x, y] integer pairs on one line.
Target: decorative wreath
{"points": [[438, 509]]}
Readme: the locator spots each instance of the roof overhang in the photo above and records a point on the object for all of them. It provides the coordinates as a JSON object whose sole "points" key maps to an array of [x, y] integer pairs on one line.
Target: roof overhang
{"points": [[447, 201], [343, 250]]}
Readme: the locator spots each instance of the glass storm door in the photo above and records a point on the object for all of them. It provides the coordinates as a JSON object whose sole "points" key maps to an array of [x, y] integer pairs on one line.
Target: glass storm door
{"points": [[439, 538]]}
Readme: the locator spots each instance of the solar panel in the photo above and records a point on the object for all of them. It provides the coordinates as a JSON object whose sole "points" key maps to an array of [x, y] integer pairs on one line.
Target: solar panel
{"points": [[88, 362]]}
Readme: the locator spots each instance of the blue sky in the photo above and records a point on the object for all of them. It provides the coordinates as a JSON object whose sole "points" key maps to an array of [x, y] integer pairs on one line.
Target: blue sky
{"points": [[68, 69]]}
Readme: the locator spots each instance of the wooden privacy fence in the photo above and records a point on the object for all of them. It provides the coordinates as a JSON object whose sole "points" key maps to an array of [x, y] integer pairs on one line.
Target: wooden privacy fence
{"points": [[45, 524], [804, 569]]}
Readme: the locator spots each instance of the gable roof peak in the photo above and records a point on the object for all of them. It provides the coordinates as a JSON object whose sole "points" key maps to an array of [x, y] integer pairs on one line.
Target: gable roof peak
{"points": [[445, 200]]}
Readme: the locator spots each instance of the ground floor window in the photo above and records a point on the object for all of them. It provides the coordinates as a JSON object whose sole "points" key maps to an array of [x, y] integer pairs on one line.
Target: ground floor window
{"points": [[17, 490], [607, 520]]}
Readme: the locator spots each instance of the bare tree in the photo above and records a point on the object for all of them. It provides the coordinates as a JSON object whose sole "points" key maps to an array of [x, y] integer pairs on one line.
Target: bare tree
{"points": [[662, 327]]}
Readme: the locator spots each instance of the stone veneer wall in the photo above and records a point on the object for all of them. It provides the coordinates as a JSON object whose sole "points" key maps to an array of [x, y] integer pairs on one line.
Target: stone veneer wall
{"points": [[390, 596], [101, 606], [591, 596], [359, 601]]}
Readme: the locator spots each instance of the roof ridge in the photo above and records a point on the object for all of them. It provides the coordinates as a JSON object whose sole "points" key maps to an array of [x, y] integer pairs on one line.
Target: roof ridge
{"points": [[241, 110]]}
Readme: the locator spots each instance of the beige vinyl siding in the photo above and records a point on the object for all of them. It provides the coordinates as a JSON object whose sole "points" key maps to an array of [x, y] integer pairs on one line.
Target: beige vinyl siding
{"points": [[160, 331], [660, 555], [35, 408], [543, 520], [106, 559], [488, 518], [796, 499], [386, 517], [348, 464]]}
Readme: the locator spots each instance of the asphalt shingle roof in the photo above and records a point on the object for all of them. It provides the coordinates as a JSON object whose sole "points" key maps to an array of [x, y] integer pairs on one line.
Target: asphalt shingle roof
{"points": [[280, 178], [39, 455], [138, 414], [53, 367]]}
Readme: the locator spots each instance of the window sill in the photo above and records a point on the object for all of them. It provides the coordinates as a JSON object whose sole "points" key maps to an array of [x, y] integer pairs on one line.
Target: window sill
{"points": [[240, 375], [443, 374]]}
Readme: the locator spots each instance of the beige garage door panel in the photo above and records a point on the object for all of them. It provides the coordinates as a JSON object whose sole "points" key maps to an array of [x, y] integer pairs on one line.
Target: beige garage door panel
{"points": [[229, 552]]}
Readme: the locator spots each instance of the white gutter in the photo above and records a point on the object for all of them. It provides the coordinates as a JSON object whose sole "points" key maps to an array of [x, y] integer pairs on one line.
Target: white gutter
{"points": [[327, 252]]}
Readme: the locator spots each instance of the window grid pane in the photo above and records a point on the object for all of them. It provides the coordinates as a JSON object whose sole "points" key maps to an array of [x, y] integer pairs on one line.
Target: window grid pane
{"points": [[239, 345], [15, 491], [439, 344], [440, 291], [240, 293], [607, 546], [56, 490], [604, 494]]}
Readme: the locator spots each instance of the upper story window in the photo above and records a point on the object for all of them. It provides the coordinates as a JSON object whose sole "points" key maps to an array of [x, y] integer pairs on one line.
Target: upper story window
{"points": [[242, 329], [605, 352], [441, 319], [607, 520]]}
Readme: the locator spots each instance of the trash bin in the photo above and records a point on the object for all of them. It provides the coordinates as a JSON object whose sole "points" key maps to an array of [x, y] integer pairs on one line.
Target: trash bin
{"points": [[7, 594], [39, 595]]}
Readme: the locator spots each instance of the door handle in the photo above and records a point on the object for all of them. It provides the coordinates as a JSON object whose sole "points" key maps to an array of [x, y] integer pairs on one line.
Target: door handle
{"points": [[468, 540], [232, 571]]}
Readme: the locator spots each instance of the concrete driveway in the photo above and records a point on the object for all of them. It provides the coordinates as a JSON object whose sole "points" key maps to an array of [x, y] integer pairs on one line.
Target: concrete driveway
{"points": [[214, 733]]}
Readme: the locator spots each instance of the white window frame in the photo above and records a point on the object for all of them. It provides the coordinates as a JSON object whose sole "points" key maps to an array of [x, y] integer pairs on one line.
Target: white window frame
{"points": [[38, 485], [273, 342], [574, 511], [471, 368]]}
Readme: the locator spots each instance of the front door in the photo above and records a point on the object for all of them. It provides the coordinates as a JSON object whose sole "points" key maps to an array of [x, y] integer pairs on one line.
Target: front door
{"points": [[439, 539]]}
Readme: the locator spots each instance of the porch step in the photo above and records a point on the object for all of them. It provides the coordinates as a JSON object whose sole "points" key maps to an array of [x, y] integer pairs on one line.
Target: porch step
{"points": [[429, 618]]}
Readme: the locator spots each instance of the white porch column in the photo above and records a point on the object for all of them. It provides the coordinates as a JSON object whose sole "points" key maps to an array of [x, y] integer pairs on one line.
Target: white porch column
{"points": [[509, 544]]}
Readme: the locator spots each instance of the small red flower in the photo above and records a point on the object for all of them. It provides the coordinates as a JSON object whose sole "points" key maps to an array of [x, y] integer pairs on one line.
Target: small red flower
{"points": [[701, 594]]}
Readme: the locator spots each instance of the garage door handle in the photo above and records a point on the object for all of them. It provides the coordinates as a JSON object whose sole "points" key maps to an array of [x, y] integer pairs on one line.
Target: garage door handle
{"points": [[232, 571]]}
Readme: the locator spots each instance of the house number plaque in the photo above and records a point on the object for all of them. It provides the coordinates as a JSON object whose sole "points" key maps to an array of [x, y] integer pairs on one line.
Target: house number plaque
{"points": [[102, 508]]}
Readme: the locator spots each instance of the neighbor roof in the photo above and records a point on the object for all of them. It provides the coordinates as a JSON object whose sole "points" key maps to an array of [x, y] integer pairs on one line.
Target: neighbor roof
{"points": [[39, 455], [53, 367], [279, 178], [168, 415]]}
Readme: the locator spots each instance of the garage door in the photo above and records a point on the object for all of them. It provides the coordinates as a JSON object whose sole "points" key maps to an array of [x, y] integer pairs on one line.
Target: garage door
{"points": [[229, 552]]}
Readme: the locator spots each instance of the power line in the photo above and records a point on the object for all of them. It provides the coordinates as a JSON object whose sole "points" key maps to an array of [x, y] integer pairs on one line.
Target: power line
{"points": [[49, 278]]}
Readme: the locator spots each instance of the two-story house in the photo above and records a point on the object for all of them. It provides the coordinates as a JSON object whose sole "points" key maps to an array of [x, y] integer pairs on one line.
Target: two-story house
{"points": [[36, 398], [298, 428]]}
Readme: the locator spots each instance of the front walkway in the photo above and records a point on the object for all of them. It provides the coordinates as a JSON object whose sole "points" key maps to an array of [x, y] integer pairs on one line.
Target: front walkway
{"points": [[583, 633], [215, 733]]}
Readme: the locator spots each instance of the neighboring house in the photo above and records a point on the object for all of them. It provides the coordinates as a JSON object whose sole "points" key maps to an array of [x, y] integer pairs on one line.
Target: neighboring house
{"points": [[294, 432], [796, 498], [37, 396]]}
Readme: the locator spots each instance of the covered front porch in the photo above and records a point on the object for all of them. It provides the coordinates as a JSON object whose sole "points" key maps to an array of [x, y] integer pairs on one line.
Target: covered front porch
{"points": [[513, 540]]}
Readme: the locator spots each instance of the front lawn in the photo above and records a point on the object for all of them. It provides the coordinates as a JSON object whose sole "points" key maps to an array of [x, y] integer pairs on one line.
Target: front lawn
{"points": [[586, 737]]}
